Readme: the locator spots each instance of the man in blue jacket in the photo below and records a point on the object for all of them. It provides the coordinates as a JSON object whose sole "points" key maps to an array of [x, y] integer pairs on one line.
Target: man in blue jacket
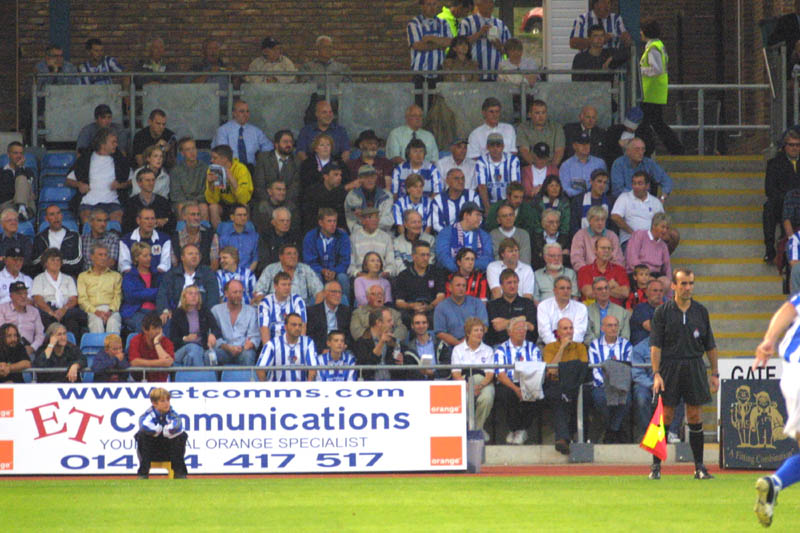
{"points": [[326, 250], [189, 272], [466, 233]]}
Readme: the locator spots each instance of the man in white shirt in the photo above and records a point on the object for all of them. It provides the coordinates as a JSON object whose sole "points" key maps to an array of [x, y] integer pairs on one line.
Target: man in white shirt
{"points": [[11, 273], [474, 352], [458, 159], [400, 137], [634, 209], [559, 306], [509, 258], [491, 115]]}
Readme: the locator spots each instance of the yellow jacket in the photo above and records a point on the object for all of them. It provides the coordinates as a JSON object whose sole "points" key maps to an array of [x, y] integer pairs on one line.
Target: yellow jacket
{"points": [[243, 192], [95, 290]]}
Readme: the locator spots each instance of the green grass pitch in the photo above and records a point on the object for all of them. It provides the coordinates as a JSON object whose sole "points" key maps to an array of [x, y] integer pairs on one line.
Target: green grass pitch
{"points": [[436, 504]]}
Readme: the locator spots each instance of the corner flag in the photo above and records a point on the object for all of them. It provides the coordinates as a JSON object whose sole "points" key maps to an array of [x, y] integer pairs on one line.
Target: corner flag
{"points": [[655, 438]]}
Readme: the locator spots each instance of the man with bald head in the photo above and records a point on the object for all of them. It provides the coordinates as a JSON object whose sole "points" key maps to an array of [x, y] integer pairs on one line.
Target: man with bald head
{"points": [[400, 137], [618, 283], [359, 323], [633, 161], [587, 123], [329, 315], [325, 123]]}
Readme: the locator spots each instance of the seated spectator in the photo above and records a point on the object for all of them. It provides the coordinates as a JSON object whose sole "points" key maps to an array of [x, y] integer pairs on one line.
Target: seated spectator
{"points": [[271, 60], [158, 135], [110, 364], [595, 196], [160, 435], [379, 346], [329, 315], [155, 63], [59, 237], [633, 161], [100, 294], [153, 157], [188, 272], [102, 119], [16, 191], [237, 188], [194, 232], [53, 63], [523, 212], [534, 174], [459, 57], [193, 329], [242, 238], [510, 304], [448, 204], [279, 233], [231, 269], [466, 233], [274, 308], [11, 238], [327, 249], [401, 136], [336, 355], [473, 351], [518, 411], [544, 277], [540, 129], [452, 312], [551, 310], [477, 285], [330, 195], [409, 234], [98, 175], [634, 209], [245, 140], [13, 357], [58, 352], [551, 196], [326, 66], [99, 63], [416, 200], [290, 348], [510, 259], [506, 218], [367, 142], [575, 173], [305, 281], [145, 196], [790, 214], [238, 324], [139, 288], [425, 349], [609, 345], [160, 244], [495, 170], [151, 348], [11, 273], [276, 199], [325, 123], [322, 153], [24, 316], [604, 265], [585, 240], [603, 307], [368, 196], [420, 287], [416, 164], [99, 234], [640, 279], [458, 160], [646, 247], [212, 62], [372, 273], [478, 143], [517, 62], [587, 123], [549, 232], [56, 295], [281, 165], [359, 322]]}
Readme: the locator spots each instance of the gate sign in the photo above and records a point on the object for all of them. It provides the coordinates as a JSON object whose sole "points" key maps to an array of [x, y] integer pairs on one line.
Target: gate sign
{"points": [[238, 427], [752, 418]]}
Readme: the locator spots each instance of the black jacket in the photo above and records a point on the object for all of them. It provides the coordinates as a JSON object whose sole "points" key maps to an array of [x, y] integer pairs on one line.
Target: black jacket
{"points": [[571, 132], [122, 171], [70, 250], [317, 325], [179, 327], [206, 238], [781, 177]]}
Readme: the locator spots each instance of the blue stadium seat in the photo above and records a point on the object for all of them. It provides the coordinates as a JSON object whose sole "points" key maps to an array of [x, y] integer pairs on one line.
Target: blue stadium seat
{"points": [[3, 160], [226, 227], [30, 163], [91, 343], [27, 377], [113, 225], [355, 153], [182, 224], [444, 153], [52, 180], [26, 228], [71, 338], [238, 375], [204, 156], [193, 377], [56, 195], [59, 160]]}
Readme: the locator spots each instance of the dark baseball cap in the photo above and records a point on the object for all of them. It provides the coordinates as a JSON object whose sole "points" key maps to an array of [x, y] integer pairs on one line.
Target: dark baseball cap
{"points": [[458, 140], [495, 138], [332, 165], [541, 150], [469, 207], [15, 252], [269, 42], [17, 286], [102, 111], [584, 138]]}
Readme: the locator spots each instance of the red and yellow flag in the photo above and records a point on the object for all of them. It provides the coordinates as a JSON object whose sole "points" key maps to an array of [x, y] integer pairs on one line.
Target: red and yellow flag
{"points": [[655, 438]]}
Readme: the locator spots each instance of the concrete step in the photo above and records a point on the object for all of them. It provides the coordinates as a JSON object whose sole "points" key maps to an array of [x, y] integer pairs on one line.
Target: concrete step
{"points": [[737, 284], [739, 322], [737, 341], [749, 214], [603, 454], [722, 197], [719, 230], [717, 180], [743, 303], [719, 248], [745, 163], [724, 266]]}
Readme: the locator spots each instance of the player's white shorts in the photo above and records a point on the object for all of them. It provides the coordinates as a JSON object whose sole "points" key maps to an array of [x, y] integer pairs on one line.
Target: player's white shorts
{"points": [[790, 387]]}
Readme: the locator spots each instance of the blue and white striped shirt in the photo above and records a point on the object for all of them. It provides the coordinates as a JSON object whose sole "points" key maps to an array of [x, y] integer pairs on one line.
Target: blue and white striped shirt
{"points": [[242, 274], [613, 24], [278, 352], [432, 180], [107, 64], [445, 209], [789, 348], [425, 208], [167, 424], [487, 56], [497, 176], [793, 247], [272, 313], [340, 374], [508, 354], [600, 351], [426, 60]]}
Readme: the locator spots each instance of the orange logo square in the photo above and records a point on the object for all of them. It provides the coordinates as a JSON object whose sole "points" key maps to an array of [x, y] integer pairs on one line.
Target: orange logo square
{"points": [[445, 399], [446, 451], [7, 403], [6, 455]]}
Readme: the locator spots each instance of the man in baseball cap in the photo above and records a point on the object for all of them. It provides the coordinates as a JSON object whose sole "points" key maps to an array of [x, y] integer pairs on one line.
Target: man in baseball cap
{"points": [[368, 195], [271, 60], [575, 172], [17, 309], [458, 159], [14, 259]]}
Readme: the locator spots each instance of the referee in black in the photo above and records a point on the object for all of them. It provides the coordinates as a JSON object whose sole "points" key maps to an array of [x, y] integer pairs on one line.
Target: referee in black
{"points": [[680, 334]]}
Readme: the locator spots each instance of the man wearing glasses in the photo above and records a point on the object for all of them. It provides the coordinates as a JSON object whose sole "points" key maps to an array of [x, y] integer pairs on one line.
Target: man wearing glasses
{"points": [[53, 63], [783, 175]]}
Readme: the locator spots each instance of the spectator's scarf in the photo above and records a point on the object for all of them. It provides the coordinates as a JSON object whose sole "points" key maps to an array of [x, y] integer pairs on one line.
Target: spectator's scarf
{"points": [[461, 240]]}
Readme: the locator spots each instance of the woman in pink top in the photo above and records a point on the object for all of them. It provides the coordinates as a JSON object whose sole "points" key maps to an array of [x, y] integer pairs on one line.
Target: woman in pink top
{"points": [[371, 270]]}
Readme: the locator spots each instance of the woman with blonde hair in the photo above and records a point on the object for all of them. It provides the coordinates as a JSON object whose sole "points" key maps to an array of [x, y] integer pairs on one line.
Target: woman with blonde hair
{"points": [[193, 330], [139, 287]]}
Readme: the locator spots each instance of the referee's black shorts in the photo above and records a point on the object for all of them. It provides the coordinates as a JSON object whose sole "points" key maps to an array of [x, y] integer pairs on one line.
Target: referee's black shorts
{"points": [[685, 379]]}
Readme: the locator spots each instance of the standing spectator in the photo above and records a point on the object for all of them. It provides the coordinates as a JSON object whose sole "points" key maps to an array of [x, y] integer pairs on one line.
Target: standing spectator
{"points": [[540, 129], [279, 164], [305, 281], [508, 252], [602, 308], [56, 295], [634, 161], [151, 348], [329, 195], [646, 247], [195, 232], [533, 175], [13, 357], [326, 123], [53, 63], [275, 307], [415, 200], [329, 315], [160, 244], [145, 196], [244, 139], [368, 238], [411, 232], [155, 63], [458, 160], [14, 260], [242, 237], [453, 11], [11, 238], [359, 322], [479, 137], [495, 170], [327, 66], [476, 281], [507, 230], [336, 355], [428, 37], [595, 196], [473, 351], [237, 187], [600, 14], [370, 274], [58, 352], [291, 348], [16, 191], [239, 326], [139, 288], [544, 277], [575, 172], [102, 119], [609, 345], [188, 272], [551, 310], [100, 294], [368, 196], [161, 432], [399, 138], [585, 240], [230, 268], [155, 134], [510, 304], [61, 238], [278, 234], [549, 226], [587, 123], [598, 57], [110, 364], [24, 316], [782, 176], [448, 204], [604, 266], [416, 163], [517, 62], [466, 233], [99, 63], [99, 234], [271, 60], [188, 178], [451, 313], [367, 142], [193, 329], [634, 210], [420, 287], [487, 34]]}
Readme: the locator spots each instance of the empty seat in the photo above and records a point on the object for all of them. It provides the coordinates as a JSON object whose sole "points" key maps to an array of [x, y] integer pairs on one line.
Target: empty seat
{"points": [[188, 376], [26, 228], [59, 160], [238, 375]]}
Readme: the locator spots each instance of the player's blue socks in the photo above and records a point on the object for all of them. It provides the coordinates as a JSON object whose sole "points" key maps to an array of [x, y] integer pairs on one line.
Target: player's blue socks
{"points": [[788, 474]]}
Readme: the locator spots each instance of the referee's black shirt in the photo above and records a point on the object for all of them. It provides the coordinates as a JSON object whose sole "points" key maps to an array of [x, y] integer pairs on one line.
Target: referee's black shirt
{"points": [[681, 335]]}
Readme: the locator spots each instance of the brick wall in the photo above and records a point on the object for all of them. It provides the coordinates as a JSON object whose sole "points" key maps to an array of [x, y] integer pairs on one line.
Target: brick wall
{"points": [[8, 115]]}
